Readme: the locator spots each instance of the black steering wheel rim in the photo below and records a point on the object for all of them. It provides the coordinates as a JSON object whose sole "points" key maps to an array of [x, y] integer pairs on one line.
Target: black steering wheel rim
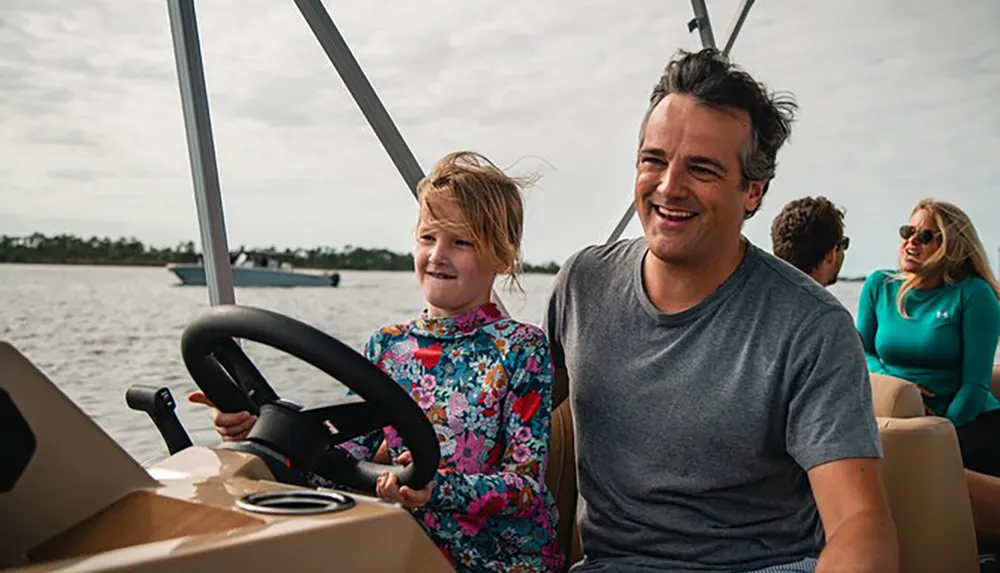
{"points": [[227, 377]]}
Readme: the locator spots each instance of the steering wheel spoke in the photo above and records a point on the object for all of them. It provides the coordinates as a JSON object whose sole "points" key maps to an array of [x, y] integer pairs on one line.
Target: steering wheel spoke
{"points": [[244, 373], [226, 393]]}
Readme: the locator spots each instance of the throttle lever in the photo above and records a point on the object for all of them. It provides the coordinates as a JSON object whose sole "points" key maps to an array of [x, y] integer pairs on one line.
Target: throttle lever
{"points": [[159, 404]]}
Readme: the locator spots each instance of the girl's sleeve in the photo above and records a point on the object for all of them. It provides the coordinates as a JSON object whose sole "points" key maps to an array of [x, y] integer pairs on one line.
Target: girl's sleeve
{"points": [[516, 489], [868, 321], [980, 333]]}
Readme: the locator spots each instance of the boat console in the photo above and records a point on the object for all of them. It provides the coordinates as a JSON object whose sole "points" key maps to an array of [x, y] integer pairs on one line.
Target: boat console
{"points": [[71, 499]]}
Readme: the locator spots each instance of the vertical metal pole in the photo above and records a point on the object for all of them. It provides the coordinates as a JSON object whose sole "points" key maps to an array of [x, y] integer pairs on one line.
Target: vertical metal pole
{"points": [[361, 89], [702, 22], [201, 151]]}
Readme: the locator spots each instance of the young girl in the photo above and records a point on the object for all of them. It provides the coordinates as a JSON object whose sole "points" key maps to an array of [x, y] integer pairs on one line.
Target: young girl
{"points": [[485, 381]]}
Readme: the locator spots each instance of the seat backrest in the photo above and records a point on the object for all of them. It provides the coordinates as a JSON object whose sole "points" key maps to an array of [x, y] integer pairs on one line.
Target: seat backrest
{"points": [[996, 380], [895, 398], [928, 497], [560, 475]]}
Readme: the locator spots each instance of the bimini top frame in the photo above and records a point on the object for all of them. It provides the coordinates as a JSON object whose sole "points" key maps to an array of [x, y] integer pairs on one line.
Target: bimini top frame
{"points": [[201, 148]]}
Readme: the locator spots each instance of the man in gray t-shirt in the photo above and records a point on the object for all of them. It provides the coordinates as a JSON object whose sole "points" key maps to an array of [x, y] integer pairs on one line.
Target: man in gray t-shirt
{"points": [[721, 401]]}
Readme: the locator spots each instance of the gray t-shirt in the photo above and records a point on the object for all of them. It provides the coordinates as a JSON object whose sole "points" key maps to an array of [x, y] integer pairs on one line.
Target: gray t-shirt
{"points": [[694, 429]]}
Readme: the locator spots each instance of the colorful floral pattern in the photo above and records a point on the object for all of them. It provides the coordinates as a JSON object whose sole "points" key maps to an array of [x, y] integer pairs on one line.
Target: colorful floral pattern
{"points": [[485, 382]]}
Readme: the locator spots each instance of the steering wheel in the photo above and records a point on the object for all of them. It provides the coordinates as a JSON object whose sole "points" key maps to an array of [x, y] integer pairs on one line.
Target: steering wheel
{"points": [[286, 436]]}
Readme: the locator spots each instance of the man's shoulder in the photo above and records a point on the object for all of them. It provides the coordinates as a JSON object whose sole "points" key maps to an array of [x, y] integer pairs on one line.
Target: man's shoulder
{"points": [[595, 265], [605, 255], [793, 296]]}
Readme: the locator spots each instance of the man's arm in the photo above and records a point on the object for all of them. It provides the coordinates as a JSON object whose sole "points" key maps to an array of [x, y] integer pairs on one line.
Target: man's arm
{"points": [[860, 534], [832, 434]]}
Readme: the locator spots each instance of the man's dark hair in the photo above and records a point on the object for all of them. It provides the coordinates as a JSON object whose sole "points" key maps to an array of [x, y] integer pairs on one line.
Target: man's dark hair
{"points": [[805, 231], [712, 80]]}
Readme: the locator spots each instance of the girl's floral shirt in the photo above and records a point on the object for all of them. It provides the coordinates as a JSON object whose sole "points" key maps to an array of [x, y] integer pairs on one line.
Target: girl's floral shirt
{"points": [[485, 383]]}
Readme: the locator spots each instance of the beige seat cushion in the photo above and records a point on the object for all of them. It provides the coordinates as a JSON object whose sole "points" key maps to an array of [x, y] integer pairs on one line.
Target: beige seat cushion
{"points": [[561, 474], [927, 494], [895, 398], [996, 380]]}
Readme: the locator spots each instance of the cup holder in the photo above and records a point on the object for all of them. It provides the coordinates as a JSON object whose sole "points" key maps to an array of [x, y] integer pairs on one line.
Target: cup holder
{"points": [[296, 502]]}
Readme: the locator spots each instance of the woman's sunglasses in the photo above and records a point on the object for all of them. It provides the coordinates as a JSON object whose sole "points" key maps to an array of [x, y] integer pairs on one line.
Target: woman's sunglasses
{"points": [[924, 236]]}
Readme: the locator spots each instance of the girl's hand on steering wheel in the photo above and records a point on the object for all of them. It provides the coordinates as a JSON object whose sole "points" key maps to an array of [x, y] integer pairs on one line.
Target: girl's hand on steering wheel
{"points": [[387, 487], [232, 427]]}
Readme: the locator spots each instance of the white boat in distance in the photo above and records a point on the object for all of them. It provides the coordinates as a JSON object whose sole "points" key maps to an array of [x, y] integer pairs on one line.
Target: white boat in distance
{"points": [[256, 270]]}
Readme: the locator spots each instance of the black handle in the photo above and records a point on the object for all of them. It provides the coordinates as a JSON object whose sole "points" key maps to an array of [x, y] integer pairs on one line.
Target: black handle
{"points": [[159, 404]]}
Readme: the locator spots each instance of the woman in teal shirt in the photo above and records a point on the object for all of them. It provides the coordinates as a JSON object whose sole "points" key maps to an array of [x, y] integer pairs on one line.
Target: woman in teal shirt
{"points": [[936, 323]]}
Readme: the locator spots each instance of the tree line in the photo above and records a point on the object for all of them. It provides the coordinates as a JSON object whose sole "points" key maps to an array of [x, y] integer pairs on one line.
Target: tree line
{"points": [[39, 248]]}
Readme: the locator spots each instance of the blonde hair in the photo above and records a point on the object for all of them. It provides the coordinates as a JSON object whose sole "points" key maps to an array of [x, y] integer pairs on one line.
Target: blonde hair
{"points": [[490, 202], [960, 255]]}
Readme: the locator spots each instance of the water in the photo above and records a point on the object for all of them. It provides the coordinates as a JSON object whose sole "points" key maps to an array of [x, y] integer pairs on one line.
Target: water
{"points": [[96, 330]]}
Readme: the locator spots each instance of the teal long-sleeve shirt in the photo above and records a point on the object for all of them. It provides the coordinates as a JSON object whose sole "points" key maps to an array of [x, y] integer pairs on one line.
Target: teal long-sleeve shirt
{"points": [[947, 345]]}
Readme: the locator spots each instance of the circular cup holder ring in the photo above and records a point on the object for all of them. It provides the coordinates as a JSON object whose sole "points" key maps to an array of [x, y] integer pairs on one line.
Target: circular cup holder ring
{"points": [[296, 502]]}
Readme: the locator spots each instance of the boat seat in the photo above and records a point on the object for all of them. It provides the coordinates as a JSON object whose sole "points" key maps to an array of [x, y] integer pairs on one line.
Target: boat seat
{"points": [[924, 482], [560, 478], [895, 398], [996, 380]]}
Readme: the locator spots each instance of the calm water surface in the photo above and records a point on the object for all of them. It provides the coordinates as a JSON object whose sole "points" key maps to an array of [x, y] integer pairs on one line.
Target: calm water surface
{"points": [[96, 330]]}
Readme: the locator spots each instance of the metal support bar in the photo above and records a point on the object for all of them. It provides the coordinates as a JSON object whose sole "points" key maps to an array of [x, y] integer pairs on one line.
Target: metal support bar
{"points": [[736, 25], [702, 22], [354, 78], [625, 220], [201, 151], [364, 95]]}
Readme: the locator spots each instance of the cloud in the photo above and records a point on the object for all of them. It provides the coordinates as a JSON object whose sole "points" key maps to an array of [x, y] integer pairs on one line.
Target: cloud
{"points": [[56, 137], [77, 174], [896, 105]]}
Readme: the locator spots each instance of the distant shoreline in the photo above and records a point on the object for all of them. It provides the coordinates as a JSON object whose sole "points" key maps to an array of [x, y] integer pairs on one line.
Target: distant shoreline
{"points": [[85, 263], [65, 249], [151, 265]]}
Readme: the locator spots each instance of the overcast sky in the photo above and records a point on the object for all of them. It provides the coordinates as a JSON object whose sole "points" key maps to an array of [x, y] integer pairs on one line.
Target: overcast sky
{"points": [[898, 102]]}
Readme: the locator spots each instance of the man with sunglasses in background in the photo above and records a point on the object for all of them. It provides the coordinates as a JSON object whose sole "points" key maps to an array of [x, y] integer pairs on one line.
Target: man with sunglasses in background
{"points": [[809, 235]]}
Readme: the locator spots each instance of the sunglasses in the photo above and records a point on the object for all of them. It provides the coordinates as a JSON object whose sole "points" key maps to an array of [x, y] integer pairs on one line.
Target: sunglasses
{"points": [[844, 243], [924, 236]]}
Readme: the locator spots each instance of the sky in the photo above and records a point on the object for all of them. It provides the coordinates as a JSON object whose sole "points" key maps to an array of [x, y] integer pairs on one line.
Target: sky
{"points": [[897, 102]]}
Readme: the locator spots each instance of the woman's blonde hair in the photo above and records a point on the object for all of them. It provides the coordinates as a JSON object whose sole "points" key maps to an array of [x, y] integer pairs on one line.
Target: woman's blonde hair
{"points": [[961, 254], [490, 202]]}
